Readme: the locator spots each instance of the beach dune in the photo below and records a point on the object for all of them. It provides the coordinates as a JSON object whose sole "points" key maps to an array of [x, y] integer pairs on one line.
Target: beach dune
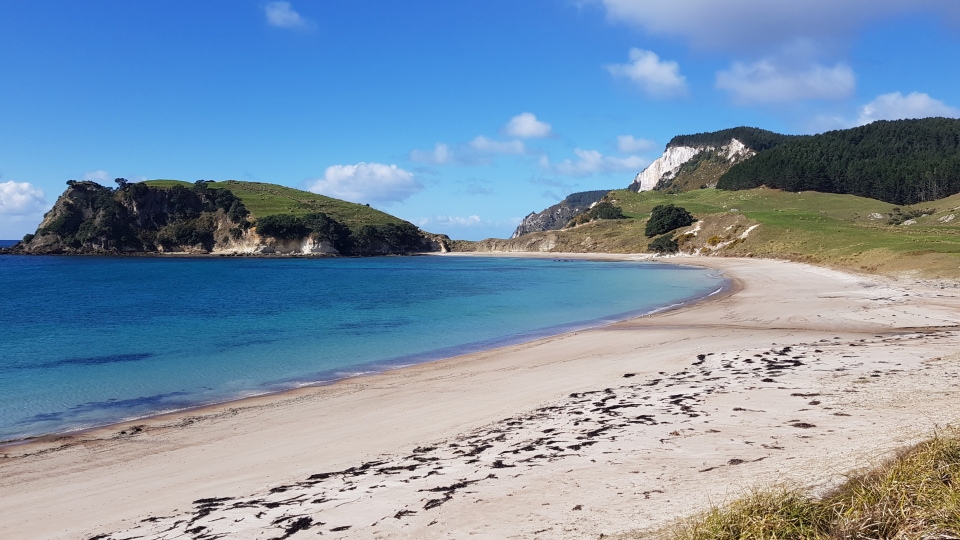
{"points": [[798, 374]]}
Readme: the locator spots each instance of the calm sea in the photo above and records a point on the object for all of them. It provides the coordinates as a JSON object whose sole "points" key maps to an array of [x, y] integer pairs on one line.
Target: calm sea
{"points": [[88, 341]]}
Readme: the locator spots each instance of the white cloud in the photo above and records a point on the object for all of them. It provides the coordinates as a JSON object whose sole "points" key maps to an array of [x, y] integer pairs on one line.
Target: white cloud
{"points": [[592, 161], [657, 78], [476, 188], [367, 183], [897, 106], [767, 82], [469, 221], [21, 199], [99, 176], [526, 126], [488, 146], [627, 144], [281, 15], [476, 151], [757, 24], [440, 155]]}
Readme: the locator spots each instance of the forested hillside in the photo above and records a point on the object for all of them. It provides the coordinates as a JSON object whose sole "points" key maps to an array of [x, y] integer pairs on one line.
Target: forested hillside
{"points": [[755, 139], [900, 162]]}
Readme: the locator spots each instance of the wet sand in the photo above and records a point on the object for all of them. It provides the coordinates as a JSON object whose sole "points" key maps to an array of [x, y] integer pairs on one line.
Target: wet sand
{"points": [[799, 375]]}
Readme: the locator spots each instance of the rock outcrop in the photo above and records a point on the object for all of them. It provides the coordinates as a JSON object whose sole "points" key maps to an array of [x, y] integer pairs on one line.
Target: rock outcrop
{"points": [[699, 160], [679, 164], [558, 215]]}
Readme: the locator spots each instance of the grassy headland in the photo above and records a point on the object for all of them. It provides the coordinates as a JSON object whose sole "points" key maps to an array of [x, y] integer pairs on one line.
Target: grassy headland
{"points": [[843, 231]]}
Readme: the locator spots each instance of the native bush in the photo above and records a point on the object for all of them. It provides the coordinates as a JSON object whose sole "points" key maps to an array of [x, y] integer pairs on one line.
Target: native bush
{"points": [[664, 244], [388, 238], [602, 210], [667, 217], [281, 226]]}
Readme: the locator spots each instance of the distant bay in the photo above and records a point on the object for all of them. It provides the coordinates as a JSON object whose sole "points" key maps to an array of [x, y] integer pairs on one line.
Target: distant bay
{"points": [[89, 341]]}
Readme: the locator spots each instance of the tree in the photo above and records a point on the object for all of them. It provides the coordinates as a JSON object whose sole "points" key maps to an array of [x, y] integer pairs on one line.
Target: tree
{"points": [[605, 210], [667, 217], [664, 244]]}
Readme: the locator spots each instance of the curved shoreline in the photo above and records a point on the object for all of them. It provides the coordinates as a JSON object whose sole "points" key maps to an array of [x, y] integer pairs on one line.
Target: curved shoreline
{"points": [[396, 363], [638, 475]]}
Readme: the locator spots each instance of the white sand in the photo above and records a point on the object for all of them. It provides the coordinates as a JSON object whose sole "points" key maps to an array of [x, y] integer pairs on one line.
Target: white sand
{"points": [[543, 440]]}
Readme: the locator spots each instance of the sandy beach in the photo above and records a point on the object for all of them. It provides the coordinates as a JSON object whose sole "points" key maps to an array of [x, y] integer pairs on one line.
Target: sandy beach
{"points": [[798, 375]]}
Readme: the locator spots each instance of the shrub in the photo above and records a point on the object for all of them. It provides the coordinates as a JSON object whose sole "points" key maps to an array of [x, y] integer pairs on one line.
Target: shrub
{"points": [[282, 226], [389, 238], [605, 210], [66, 224], [665, 218], [27, 238], [323, 227], [664, 244], [189, 233], [237, 211]]}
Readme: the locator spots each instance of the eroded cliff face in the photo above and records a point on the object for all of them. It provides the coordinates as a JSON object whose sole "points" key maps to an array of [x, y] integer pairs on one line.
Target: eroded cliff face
{"points": [[558, 215], [691, 167]]}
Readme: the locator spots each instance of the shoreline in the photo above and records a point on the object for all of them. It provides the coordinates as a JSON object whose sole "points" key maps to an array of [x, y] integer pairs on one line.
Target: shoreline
{"points": [[383, 366], [878, 358]]}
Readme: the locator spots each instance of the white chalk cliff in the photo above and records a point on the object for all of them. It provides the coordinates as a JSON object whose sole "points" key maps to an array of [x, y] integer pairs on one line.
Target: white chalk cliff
{"points": [[666, 166]]}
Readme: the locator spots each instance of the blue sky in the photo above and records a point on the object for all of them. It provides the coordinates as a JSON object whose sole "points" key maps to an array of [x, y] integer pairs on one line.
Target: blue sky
{"points": [[461, 117]]}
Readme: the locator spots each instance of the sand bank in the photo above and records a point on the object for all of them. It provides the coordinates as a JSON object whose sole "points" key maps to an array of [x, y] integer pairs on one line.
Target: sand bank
{"points": [[799, 375]]}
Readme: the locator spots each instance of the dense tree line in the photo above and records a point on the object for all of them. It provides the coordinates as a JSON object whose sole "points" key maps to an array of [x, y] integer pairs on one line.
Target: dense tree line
{"points": [[754, 138], [366, 240], [900, 162]]}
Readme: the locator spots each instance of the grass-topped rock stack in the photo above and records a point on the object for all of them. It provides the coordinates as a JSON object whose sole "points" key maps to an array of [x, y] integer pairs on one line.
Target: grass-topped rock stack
{"points": [[231, 216]]}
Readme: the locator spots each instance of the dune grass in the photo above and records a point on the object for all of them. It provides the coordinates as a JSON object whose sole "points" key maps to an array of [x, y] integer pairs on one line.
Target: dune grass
{"points": [[913, 496]]}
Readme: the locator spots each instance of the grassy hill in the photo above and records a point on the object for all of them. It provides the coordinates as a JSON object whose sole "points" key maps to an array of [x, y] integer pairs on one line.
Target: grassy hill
{"points": [[843, 231], [268, 199]]}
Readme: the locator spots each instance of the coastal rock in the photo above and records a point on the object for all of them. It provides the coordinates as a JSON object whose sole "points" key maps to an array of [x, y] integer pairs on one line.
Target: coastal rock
{"points": [[558, 215]]}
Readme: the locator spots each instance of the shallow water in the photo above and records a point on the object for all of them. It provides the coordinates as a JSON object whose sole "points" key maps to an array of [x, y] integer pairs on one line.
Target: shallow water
{"points": [[93, 340]]}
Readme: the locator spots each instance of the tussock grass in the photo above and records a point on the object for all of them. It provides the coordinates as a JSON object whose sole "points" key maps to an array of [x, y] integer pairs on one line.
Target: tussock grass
{"points": [[915, 496]]}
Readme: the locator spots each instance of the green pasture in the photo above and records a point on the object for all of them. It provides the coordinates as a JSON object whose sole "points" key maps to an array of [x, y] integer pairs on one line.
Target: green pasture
{"points": [[266, 199]]}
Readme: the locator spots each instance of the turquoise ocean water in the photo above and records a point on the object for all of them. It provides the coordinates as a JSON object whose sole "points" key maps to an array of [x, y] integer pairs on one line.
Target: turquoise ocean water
{"points": [[89, 341]]}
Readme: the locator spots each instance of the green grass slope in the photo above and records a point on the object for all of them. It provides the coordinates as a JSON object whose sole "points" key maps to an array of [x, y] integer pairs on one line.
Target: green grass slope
{"points": [[843, 231], [263, 199]]}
